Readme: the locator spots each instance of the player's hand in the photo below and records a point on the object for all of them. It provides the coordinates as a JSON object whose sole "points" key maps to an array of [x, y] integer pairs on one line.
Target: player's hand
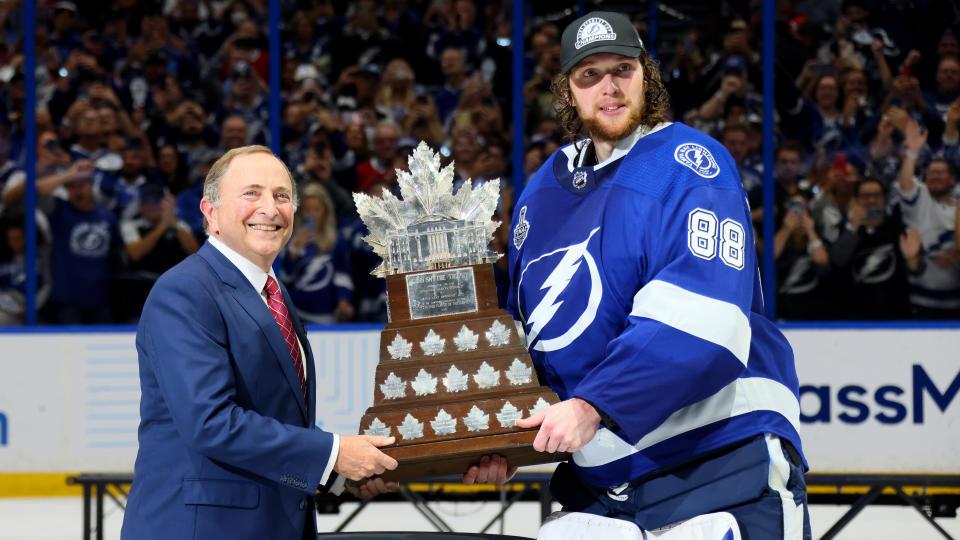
{"points": [[369, 488], [359, 457], [492, 469], [564, 427]]}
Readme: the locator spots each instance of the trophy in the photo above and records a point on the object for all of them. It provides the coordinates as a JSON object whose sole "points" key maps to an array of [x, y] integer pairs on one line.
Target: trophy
{"points": [[454, 373]]}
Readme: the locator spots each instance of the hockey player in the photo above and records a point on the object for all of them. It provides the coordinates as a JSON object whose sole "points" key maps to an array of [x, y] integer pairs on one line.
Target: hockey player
{"points": [[634, 273]]}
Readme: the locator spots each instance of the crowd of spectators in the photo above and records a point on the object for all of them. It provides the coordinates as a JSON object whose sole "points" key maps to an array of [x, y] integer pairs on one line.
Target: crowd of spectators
{"points": [[135, 100]]}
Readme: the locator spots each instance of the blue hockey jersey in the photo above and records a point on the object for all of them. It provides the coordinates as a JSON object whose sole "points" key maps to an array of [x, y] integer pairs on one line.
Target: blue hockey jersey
{"points": [[636, 281]]}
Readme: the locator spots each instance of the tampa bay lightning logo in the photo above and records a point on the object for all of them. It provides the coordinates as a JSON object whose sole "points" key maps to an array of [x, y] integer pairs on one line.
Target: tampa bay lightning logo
{"points": [[317, 275], [90, 240], [560, 321], [698, 159]]}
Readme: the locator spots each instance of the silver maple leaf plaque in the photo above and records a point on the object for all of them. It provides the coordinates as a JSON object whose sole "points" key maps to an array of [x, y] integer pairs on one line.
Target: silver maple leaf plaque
{"points": [[498, 335], [394, 387], [444, 424], [455, 380], [377, 429], [430, 227], [476, 419], [540, 405], [519, 373], [432, 344], [466, 339], [399, 348], [509, 415], [425, 384], [410, 428], [486, 376]]}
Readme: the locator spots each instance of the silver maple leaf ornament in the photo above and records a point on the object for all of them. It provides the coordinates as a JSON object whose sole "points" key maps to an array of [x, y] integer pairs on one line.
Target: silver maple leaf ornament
{"points": [[377, 429], [519, 373], [444, 424], [476, 419], [540, 405], [432, 344], [466, 339], [425, 384], [399, 348], [509, 415], [430, 227], [486, 376], [498, 335], [455, 380], [393, 387], [410, 428]]}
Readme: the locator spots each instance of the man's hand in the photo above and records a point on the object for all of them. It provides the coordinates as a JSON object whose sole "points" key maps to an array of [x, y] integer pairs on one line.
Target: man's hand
{"points": [[492, 469], [564, 427], [359, 458], [369, 487], [910, 243]]}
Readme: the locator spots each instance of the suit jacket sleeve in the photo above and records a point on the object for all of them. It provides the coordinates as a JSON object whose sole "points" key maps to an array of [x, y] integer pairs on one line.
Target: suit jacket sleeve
{"points": [[187, 343]]}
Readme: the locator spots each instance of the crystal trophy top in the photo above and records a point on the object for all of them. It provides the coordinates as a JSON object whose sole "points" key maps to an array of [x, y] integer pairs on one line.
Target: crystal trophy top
{"points": [[430, 228]]}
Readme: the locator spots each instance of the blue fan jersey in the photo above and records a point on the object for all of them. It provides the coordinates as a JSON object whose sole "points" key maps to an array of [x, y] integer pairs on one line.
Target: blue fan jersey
{"points": [[636, 281]]}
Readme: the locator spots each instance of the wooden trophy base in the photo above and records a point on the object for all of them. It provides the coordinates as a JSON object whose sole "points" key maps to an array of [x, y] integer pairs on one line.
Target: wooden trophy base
{"points": [[456, 456]]}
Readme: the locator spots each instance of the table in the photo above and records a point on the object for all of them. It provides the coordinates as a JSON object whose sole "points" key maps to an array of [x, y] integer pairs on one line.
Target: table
{"points": [[931, 495]]}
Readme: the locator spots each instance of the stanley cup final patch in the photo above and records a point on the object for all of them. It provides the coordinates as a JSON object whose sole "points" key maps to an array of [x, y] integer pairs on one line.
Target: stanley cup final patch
{"points": [[594, 29], [520, 231], [698, 159]]}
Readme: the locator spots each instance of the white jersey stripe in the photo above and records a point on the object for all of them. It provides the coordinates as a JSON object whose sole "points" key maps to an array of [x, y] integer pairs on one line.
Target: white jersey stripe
{"points": [[777, 479], [716, 321], [739, 397]]}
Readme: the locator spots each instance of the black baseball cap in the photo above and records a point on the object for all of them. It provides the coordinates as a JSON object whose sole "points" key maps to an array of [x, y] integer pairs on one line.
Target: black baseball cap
{"points": [[598, 32]]}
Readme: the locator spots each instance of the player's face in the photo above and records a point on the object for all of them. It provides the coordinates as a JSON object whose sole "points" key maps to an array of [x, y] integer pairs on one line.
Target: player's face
{"points": [[255, 215], [607, 90]]}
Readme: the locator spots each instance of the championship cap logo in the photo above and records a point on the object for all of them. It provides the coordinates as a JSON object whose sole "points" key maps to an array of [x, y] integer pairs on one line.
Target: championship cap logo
{"points": [[595, 29]]}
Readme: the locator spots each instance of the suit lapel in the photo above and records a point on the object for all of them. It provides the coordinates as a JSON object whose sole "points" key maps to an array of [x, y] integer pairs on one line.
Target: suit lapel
{"points": [[253, 304]]}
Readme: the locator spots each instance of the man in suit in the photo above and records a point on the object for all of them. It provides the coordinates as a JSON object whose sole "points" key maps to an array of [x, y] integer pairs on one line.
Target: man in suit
{"points": [[228, 442]]}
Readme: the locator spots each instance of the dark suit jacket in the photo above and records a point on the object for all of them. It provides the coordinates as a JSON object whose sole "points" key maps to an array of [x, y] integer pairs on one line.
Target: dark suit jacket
{"points": [[228, 448]]}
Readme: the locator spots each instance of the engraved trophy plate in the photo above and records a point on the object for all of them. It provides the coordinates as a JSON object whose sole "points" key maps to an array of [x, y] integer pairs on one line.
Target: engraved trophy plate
{"points": [[454, 374], [447, 292]]}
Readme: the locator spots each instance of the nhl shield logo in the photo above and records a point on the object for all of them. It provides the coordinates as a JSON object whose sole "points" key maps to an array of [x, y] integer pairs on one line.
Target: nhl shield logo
{"points": [[579, 179], [594, 29], [698, 159], [522, 228]]}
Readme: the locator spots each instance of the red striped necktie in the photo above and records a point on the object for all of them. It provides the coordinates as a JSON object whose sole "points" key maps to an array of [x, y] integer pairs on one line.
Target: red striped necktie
{"points": [[280, 314]]}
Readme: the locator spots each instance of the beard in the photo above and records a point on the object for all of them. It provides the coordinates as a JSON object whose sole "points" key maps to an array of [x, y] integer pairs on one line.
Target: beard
{"points": [[601, 131]]}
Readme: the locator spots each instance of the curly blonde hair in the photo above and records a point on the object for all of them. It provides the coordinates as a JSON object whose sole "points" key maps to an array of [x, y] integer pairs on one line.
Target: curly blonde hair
{"points": [[656, 101]]}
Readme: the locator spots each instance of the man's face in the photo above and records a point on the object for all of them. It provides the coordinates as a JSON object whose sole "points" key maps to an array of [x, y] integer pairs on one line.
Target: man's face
{"points": [[855, 84], [939, 180], [870, 195], [255, 215], [80, 194], [452, 62], [607, 90], [827, 92], [948, 76], [133, 161], [88, 123], [788, 165], [234, 133], [385, 143], [319, 165], [948, 46], [735, 141], [16, 240]]}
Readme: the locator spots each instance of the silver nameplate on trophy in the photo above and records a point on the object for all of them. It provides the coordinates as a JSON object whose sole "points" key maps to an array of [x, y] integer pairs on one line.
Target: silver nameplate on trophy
{"points": [[444, 292]]}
